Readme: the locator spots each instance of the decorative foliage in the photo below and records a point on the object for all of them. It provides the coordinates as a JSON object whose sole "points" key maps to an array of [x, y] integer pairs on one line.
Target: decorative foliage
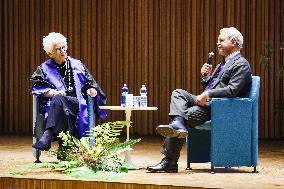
{"points": [[98, 151], [69, 168], [95, 156], [266, 58]]}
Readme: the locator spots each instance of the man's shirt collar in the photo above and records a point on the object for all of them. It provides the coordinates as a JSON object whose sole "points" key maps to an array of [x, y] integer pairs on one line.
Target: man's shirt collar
{"points": [[231, 56]]}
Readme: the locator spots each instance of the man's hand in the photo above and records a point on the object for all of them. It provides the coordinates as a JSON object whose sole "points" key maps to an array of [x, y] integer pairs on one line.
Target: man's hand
{"points": [[92, 92], [202, 98], [206, 69]]}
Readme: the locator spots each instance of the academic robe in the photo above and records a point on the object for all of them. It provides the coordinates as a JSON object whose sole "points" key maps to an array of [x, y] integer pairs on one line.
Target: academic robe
{"points": [[46, 77]]}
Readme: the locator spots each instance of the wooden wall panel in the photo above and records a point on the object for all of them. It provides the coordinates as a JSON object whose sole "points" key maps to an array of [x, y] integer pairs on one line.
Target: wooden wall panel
{"points": [[160, 43], [1, 64]]}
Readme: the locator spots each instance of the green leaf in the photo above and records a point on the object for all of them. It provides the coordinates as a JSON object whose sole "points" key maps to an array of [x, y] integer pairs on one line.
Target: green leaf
{"points": [[118, 148], [101, 156]]}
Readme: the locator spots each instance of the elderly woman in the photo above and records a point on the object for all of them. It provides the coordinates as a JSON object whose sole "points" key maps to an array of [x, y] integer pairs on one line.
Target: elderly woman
{"points": [[62, 84]]}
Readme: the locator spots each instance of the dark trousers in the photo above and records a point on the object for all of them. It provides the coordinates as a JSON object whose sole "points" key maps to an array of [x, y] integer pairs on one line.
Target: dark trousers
{"points": [[184, 104], [62, 110]]}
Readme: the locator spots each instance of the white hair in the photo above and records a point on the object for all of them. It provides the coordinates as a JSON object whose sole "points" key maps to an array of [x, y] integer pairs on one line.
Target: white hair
{"points": [[51, 40], [233, 33]]}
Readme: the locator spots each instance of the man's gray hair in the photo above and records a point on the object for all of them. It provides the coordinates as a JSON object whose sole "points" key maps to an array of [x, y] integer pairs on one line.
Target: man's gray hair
{"points": [[51, 40], [233, 33]]}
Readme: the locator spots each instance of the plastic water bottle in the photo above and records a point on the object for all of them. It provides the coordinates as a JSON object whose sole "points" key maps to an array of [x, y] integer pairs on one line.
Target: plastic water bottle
{"points": [[143, 97], [123, 95]]}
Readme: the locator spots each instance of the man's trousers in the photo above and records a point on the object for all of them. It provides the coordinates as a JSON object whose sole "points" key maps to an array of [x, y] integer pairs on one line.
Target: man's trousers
{"points": [[183, 104]]}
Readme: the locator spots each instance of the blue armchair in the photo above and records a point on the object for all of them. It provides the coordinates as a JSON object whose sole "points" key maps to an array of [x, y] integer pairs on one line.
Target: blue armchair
{"points": [[39, 123], [231, 137]]}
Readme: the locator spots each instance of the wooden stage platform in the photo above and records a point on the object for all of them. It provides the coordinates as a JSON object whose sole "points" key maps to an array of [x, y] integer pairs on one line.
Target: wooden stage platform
{"points": [[16, 151]]}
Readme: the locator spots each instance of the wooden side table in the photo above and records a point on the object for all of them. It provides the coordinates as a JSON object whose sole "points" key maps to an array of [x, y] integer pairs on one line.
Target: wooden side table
{"points": [[127, 111]]}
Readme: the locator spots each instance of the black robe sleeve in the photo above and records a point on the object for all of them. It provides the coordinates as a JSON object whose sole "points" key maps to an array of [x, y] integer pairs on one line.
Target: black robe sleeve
{"points": [[37, 80], [91, 83]]}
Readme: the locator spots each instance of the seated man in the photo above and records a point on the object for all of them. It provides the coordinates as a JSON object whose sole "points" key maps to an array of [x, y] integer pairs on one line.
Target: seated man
{"points": [[231, 78], [62, 84]]}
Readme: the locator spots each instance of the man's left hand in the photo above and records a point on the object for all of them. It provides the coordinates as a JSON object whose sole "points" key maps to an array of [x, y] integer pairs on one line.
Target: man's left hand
{"points": [[202, 98], [92, 92]]}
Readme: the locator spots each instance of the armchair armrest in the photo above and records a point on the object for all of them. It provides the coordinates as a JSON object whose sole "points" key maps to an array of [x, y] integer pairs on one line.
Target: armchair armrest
{"points": [[91, 113], [230, 106], [231, 122], [230, 99], [38, 126], [91, 116]]}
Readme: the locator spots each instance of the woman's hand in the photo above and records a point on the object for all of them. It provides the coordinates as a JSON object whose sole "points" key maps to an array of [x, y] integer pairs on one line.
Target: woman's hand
{"points": [[92, 92], [53, 92], [59, 93]]}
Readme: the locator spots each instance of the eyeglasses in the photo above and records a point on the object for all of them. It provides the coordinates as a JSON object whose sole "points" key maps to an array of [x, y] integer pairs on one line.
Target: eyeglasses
{"points": [[60, 49]]}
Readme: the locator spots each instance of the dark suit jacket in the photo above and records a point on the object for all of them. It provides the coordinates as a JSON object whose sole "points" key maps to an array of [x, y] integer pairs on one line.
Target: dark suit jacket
{"points": [[234, 79]]}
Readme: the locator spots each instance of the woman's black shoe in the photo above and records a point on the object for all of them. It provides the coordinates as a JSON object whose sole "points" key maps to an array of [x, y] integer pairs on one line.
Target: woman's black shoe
{"points": [[42, 146]]}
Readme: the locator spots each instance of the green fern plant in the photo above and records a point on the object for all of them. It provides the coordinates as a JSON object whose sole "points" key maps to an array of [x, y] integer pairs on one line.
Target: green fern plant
{"points": [[267, 58], [100, 156]]}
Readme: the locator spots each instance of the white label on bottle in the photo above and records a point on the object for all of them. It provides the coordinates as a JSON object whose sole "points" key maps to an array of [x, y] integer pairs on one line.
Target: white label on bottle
{"points": [[129, 100], [143, 101]]}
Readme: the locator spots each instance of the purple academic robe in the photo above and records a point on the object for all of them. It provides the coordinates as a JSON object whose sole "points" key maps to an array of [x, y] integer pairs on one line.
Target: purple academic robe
{"points": [[46, 77]]}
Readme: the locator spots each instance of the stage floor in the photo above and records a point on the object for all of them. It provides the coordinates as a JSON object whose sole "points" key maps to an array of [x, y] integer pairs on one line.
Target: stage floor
{"points": [[16, 151]]}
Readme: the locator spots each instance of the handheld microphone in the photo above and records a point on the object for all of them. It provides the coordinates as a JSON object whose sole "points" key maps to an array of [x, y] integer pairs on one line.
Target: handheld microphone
{"points": [[210, 58], [209, 61]]}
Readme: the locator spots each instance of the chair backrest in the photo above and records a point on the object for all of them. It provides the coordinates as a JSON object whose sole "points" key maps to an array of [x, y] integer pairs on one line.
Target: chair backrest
{"points": [[254, 94], [255, 85]]}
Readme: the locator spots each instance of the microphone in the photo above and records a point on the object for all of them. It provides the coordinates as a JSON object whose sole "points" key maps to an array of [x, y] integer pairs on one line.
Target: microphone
{"points": [[210, 58], [209, 61]]}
